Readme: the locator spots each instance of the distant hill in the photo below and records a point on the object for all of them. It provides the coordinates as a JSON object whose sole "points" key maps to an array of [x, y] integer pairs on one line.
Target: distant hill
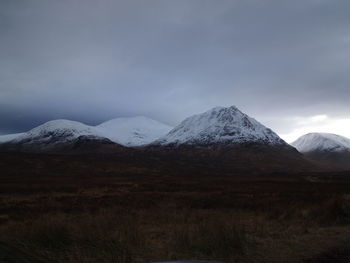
{"points": [[326, 148], [56, 134]]}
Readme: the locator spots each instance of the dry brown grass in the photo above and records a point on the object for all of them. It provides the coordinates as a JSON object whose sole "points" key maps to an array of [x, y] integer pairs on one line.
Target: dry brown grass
{"points": [[120, 213], [104, 237], [148, 235], [208, 238]]}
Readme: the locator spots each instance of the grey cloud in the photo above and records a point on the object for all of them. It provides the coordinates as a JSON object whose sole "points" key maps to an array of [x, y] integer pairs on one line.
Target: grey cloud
{"points": [[95, 60]]}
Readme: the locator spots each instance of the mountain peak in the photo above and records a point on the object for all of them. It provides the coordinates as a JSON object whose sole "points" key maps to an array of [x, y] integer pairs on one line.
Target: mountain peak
{"points": [[225, 109], [322, 142], [220, 125], [61, 124], [134, 131], [56, 131]]}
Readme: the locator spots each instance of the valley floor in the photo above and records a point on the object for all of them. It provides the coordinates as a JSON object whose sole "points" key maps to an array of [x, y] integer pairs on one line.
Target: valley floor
{"points": [[104, 209]]}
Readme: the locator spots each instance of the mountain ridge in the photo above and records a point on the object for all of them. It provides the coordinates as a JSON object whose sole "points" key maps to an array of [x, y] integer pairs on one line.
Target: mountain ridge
{"points": [[220, 137], [124, 131]]}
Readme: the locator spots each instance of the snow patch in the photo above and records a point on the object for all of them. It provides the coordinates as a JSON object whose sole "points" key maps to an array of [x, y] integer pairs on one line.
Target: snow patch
{"points": [[9, 137]]}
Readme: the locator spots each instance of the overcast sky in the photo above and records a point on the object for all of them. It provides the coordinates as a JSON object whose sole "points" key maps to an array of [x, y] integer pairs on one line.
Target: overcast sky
{"points": [[285, 63]]}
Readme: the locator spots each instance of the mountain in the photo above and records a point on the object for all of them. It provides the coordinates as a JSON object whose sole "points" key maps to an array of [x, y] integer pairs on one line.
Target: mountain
{"points": [[326, 148], [322, 142], [65, 134], [220, 126], [134, 131], [228, 138], [56, 131], [52, 135], [221, 139]]}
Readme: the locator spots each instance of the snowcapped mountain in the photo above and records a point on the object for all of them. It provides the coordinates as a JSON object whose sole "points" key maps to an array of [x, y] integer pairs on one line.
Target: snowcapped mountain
{"points": [[220, 126], [325, 148], [53, 134], [57, 133], [322, 142], [230, 139], [256, 148], [134, 131]]}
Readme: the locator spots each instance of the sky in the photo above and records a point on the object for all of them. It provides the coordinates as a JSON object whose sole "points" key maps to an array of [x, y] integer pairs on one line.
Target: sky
{"points": [[285, 63]]}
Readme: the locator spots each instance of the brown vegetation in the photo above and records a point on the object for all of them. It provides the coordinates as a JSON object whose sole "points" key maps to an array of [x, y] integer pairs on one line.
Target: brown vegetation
{"points": [[108, 209]]}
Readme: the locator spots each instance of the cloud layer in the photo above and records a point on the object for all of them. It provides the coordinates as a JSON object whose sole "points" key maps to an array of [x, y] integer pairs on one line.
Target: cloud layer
{"points": [[95, 60]]}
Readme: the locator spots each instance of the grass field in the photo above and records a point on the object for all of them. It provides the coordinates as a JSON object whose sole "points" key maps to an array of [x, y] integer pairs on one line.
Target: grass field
{"points": [[86, 209]]}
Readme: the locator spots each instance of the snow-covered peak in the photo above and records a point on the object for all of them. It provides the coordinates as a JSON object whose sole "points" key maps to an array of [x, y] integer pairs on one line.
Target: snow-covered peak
{"points": [[134, 131], [57, 131], [220, 125], [322, 142], [62, 125]]}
